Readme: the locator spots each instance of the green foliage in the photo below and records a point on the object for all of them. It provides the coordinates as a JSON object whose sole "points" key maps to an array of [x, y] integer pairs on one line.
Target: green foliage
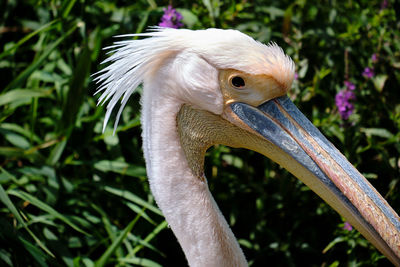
{"points": [[72, 195]]}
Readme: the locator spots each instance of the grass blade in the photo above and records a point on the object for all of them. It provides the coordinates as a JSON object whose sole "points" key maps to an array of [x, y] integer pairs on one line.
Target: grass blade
{"points": [[140, 262], [140, 212], [132, 197], [56, 152], [35, 252], [67, 6], [120, 167], [150, 236], [21, 95], [111, 249], [43, 206], [17, 82], [44, 28], [8, 203], [77, 90]]}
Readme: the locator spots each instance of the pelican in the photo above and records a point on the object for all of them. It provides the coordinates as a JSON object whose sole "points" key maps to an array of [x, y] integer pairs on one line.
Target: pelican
{"points": [[207, 87]]}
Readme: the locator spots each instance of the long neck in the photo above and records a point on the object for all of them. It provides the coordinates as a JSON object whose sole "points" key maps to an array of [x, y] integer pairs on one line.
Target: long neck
{"points": [[184, 199]]}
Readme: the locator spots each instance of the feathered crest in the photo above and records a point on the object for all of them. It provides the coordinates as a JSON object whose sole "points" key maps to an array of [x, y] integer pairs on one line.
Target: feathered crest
{"points": [[132, 60]]}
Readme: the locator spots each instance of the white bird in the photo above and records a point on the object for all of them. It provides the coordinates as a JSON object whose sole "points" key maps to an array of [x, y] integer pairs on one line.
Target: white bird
{"points": [[214, 86]]}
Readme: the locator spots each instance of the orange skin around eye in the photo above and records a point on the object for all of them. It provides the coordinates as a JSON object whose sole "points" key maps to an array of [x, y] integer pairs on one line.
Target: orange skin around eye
{"points": [[256, 89]]}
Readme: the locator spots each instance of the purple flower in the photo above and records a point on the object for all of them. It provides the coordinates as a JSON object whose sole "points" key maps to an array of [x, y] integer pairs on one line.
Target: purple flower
{"points": [[347, 226], [296, 75], [368, 72], [374, 58], [345, 107], [171, 18], [349, 85], [384, 4]]}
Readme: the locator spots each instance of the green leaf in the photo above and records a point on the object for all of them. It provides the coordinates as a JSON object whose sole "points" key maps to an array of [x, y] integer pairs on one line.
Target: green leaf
{"points": [[213, 7], [140, 212], [143, 22], [189, 18], [88, 262], [140, 262], [377, 132], [233, 160], [5, 257], [303, 67], [18, 82], [245, 243], [66, 8], [109, 132], [56, 152], [379, 81], [18, 96], [117, 242], [370, 175], [44, 28], [77, 90], [16, 139], [150, 236], [34, 251], [7, 202], [22, 131], [11, 152], [43, 206], [137, 240], [121, 168], [274, 12], [46, 76], [337, 240], [132, 197]]}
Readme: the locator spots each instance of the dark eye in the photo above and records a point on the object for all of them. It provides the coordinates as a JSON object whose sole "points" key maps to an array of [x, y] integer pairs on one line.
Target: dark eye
{"points": [[238, 82]]}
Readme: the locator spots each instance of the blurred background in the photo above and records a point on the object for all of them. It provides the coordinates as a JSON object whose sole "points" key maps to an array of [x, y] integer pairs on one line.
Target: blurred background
{"points": [[71, 195]]}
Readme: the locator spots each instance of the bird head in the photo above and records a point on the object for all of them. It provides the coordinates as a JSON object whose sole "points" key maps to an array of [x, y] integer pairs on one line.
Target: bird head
{"points": [[204, 68], [233, 92]]}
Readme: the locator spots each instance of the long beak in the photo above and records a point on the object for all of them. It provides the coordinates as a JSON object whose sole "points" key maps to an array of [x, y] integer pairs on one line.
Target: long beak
{"points": [[315, 161]]}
